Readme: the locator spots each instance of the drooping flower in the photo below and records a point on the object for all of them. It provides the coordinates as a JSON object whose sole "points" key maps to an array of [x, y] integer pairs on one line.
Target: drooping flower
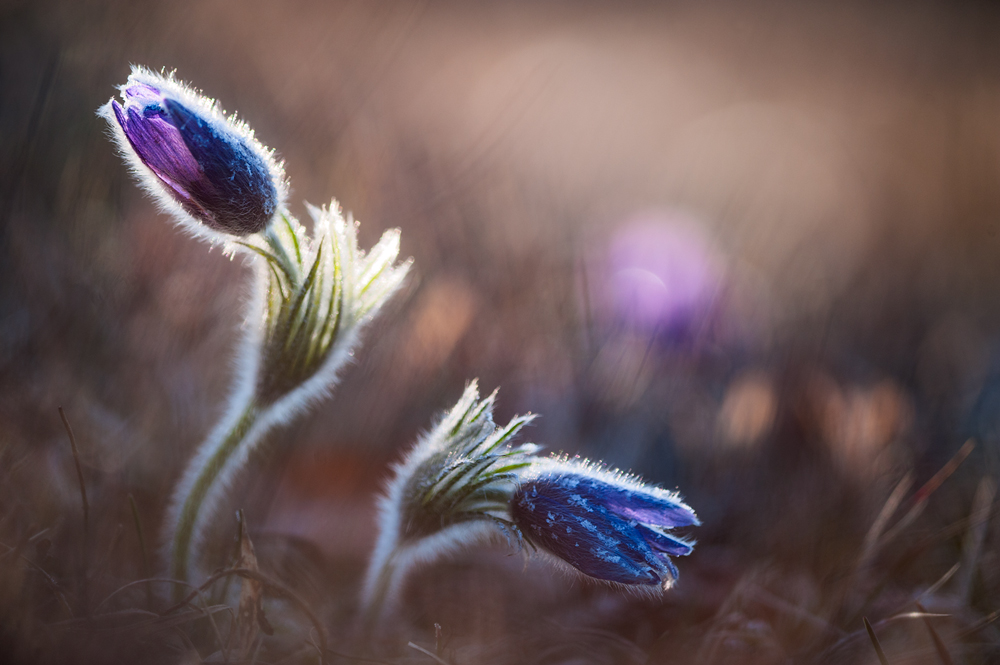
{"points": [[607, 525], [452, 489], [206, 168]]}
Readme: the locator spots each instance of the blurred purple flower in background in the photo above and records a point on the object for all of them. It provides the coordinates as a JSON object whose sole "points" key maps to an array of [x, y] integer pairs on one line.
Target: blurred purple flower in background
{"points": [[663, 275], [607, 525], [209, 165]]}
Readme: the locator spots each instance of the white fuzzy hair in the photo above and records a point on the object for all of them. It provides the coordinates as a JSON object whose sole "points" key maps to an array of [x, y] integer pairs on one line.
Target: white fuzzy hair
{"points": [[562, 463], [358, 310], [397, 559]]}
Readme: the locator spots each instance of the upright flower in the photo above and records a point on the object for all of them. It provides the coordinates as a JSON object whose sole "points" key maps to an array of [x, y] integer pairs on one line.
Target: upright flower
{"points": [[452, 489], [312, 296], [206, 168], [607, 525]]}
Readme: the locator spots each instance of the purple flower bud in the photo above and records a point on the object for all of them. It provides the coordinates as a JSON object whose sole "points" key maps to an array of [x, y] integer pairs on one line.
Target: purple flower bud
{"points": [[607, 526], [208, 165]]}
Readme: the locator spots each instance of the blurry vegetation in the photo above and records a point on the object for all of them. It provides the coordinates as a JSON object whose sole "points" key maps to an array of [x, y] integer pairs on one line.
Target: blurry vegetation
{"points": [[840, 165]]}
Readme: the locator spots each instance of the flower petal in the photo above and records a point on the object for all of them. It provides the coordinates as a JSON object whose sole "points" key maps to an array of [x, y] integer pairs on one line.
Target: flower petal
{"points": [[664, 542], [649, 506], [584, 534], [235, 186]]}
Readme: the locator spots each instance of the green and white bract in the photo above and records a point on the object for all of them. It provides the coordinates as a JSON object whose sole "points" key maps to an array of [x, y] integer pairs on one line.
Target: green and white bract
{"points": [[312, 297], [320, 291], [452, 489]]}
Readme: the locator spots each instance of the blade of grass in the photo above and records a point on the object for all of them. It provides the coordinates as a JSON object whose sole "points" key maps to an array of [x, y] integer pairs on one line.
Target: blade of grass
{"points": [[146, 581], [103, 562], [878, 647], [934, 588], [878, 526], [275, 587], [919, 499], [17, 554], [979, 625], [79, 473], [360, 659], [427, 653], [84, 590], [973, 543], [769, 600], [146, 569], [938, 642]]}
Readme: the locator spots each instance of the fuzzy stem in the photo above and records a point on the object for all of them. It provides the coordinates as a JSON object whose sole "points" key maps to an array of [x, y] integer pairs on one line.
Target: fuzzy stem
{"points": [[374, 606], [216, 452]]}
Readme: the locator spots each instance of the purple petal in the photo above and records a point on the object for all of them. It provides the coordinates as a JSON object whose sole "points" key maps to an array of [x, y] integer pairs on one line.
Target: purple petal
{"points": [[158, 144], [645, 507], [664, 542], [141, 94], [239, 192], [595, 542]]}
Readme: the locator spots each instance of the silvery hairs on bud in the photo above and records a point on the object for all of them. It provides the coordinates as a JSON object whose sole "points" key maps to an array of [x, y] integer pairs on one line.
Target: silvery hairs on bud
{"points": [[606, 524], [205, 168], [451, 489], [313, 295]]}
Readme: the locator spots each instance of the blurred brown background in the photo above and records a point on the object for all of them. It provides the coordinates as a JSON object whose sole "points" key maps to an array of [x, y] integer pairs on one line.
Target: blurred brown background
{"points": [[828, 172]]}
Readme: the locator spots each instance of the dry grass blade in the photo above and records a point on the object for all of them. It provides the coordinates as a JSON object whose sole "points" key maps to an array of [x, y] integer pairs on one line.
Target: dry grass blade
{"points": [[130, 620], [79, 473], [878, 526], [102, 564], [146, 581], [854, 638], [979, 625], [84, 584], [769, 600], [934, 588], [938, 478], [250, 618], [427, 653], [878, 647], [919, 499], [146, 569], [911, 615], [16, 552], [360, 659], [942, 650], [973, 544], [274, 587]]}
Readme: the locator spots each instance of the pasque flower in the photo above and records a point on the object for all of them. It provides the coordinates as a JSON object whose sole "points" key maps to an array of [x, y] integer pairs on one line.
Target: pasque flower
{"points": [[313, 293], [607, 525], [205, 167], [451, 489]]}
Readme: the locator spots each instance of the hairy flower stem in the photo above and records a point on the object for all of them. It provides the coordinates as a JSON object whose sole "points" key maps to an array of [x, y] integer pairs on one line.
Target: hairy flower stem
{"points": [[380, 588], [219, 452]]}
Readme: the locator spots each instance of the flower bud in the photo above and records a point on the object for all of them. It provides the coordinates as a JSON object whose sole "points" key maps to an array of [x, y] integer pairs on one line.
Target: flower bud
{"points": [[200, 164], [608, 526]]}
